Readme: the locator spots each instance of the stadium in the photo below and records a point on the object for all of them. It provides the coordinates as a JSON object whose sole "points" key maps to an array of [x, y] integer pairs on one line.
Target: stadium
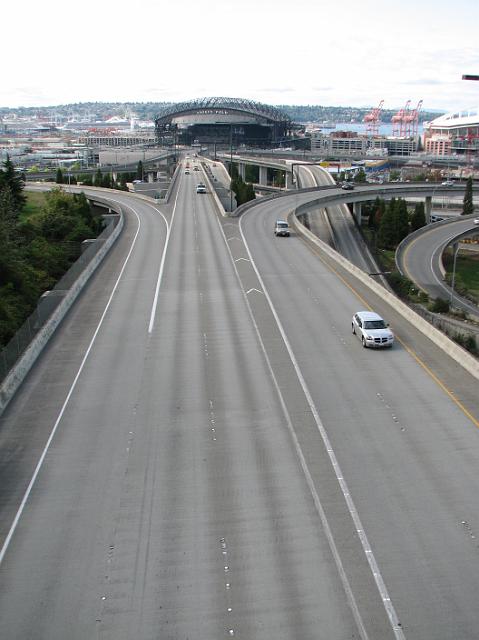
{"points": [[222, 121], [453, 133]]}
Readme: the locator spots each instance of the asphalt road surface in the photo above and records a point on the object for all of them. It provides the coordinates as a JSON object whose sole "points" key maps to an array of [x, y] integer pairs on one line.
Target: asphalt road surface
{"points": [[227, 461], [421, 260]]}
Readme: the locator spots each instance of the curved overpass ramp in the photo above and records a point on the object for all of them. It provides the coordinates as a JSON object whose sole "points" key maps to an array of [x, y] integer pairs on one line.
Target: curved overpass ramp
{"points": [[419, 258]]}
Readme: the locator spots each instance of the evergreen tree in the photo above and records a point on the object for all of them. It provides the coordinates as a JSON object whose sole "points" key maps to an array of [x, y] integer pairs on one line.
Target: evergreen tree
{"points": [[234, 171], [418, 218], [8, 220], [401, 220], [387, 231], [59, 176], [468, 203], [380, 211], [139, 171], [10, 179], [244, 192], [85, 179], [249, 193], [106, 182], [98, 178], [360, 176]]}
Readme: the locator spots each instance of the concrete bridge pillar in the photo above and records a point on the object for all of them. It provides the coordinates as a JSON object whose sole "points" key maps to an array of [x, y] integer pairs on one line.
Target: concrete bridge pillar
{"points": [[428, 209], [242, 170], [263, 175], [357, 212], [289, 180]]}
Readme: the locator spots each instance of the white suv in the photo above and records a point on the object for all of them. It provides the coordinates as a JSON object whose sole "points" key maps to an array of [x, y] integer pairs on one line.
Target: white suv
{"points": [[371, 329], [281, 228]]}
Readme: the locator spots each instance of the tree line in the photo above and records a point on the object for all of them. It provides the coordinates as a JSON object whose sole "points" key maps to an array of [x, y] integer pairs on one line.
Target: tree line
{"points": [[36, 248], [98, 179], [391, 222]]}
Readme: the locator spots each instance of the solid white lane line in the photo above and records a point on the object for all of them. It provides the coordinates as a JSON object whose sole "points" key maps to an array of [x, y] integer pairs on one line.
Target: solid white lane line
{"points": [[162, 266], [67, 399], [391, 613]]}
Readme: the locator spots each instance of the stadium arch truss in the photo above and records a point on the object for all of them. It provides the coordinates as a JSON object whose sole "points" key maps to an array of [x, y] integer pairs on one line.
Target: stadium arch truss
{"points": [[222, 121]]}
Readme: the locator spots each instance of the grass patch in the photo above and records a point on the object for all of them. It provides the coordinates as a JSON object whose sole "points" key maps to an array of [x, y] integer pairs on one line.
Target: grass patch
{"points": [[387, 259], [467, 273], [34, 203]]}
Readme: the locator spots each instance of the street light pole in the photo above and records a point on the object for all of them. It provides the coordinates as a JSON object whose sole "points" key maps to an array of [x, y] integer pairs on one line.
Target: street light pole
{"points": [[455, 248], [231, 166]]}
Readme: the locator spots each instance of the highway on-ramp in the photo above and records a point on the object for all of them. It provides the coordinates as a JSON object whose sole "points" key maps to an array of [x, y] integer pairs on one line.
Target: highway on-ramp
{"points": [[420, 258], [226, 460]]}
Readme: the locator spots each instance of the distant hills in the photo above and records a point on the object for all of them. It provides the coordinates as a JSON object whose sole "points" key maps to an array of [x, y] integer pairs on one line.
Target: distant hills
{"points": [[317, 113], [148, 110]]}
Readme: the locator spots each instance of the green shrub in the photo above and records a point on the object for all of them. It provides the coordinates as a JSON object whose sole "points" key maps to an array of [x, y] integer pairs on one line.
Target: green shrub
{"points": [[439, 306], [467, 341], [400, 284]]}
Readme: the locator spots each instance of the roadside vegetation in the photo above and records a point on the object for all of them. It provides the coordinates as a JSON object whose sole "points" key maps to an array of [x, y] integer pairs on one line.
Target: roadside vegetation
{"points": [[99, 179], [244, 191], [40, 238], [466, 280]]}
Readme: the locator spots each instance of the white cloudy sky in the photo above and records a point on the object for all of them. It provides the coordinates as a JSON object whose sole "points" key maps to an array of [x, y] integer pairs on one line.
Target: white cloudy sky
{"points": [[334, 52]]}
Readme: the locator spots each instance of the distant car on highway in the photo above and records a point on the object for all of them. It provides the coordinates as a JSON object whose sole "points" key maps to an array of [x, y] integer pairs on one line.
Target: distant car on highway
{"points": [[347, 186], [372, 330], [476, 220], [137, 181], [201, 188], [281, 228], [447, 183], [187, 172]]}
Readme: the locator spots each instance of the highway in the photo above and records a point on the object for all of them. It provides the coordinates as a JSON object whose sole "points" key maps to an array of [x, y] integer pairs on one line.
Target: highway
{"points": [[227, 460]]}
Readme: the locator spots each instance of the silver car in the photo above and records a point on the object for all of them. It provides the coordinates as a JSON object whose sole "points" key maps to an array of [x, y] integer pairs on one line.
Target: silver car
{"points": [[372, 330]]}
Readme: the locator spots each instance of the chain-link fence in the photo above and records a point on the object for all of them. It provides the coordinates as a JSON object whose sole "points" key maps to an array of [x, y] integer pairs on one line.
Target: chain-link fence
{"points": [[463, 333], [50, 301]]}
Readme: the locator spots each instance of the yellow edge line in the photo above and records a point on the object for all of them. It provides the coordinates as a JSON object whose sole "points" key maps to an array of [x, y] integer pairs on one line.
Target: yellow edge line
{"points": [[412, 353], [441, 384]]}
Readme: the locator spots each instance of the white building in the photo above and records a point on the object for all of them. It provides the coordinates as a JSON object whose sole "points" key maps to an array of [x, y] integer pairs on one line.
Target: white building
{"points": [[453, 133], [349, 143]]}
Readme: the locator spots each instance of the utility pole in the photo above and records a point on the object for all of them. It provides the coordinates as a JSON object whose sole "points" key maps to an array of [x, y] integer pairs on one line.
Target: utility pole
{"points": [[231, 166], [455, 249]]}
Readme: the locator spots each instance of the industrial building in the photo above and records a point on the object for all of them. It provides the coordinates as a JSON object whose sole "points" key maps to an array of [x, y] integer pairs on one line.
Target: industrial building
{"points": [[349, 143]]}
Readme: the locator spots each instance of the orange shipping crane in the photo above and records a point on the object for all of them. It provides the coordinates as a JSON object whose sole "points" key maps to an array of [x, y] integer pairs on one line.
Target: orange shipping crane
{"points": [[398, 120], [411, 121], [372, 120]]}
